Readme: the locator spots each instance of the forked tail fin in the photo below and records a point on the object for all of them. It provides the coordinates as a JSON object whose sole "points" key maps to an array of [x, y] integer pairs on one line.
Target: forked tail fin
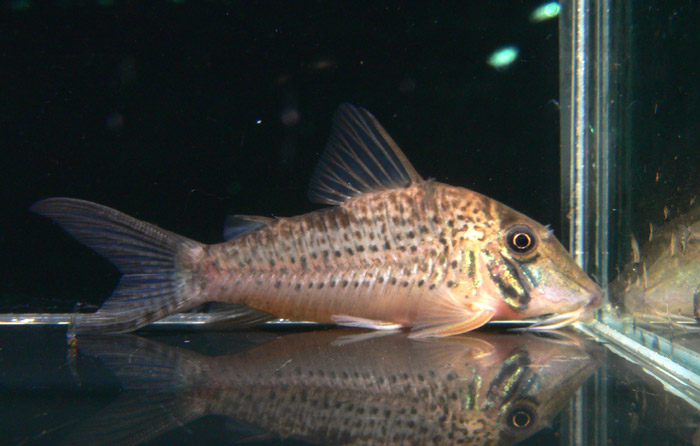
{"points": [[155, 283]]}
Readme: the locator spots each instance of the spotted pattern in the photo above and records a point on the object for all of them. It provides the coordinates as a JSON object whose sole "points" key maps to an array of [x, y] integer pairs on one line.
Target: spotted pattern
{"points": [[381, 253]]}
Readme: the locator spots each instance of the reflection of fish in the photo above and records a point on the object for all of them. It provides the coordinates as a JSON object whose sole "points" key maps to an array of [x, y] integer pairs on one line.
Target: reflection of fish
{"points": [[395, 251], [664, 281], [322, 387]]}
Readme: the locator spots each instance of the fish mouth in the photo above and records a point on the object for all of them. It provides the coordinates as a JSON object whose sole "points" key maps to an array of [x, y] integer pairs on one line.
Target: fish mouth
{"points": [[560, 320]]}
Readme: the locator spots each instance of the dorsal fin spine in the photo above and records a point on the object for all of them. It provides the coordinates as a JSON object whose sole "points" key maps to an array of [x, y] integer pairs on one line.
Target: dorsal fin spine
{"points": [[360, 157]]}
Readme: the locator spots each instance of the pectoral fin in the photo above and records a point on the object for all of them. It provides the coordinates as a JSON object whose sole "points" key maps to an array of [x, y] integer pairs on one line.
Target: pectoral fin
{"points": [[360, 322], [448, 326], [449, 316]]}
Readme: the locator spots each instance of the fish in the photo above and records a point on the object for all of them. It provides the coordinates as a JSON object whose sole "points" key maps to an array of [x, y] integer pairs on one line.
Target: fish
{"points": [[393, 251], [663, 280], [324, 387]]}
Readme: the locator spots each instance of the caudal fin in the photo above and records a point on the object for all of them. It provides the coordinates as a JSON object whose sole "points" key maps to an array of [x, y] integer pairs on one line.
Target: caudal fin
{"points": [[154, 283]]}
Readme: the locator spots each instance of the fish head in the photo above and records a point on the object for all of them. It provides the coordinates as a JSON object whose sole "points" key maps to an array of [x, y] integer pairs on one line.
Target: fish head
{"points": [[533, 274]]}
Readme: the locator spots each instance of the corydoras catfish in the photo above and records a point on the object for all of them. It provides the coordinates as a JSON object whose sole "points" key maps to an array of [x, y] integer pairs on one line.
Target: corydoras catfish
{"points": [[328, 388], [394, 251], [663, 279]]}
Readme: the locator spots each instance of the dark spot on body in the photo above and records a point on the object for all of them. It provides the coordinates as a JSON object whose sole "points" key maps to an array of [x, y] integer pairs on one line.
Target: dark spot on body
{"points": [[320, 285], [338, 253], [297, 286], [345, 283], [393, 280], [278, 284], [432, 286], [373, 248], [454, 264], [360, 248], [421, 282], [405, 284]]}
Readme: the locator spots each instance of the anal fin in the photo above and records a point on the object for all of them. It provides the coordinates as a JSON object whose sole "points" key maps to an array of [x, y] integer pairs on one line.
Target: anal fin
{"points": [[235, 316]]}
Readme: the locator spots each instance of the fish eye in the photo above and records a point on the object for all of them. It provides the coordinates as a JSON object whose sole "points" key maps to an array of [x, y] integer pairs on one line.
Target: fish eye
{"points": [[521, 239], [520, 418]]}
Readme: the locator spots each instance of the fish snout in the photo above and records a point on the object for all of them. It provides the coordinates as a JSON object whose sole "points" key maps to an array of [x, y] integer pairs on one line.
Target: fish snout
{"points": [[595, 299]]}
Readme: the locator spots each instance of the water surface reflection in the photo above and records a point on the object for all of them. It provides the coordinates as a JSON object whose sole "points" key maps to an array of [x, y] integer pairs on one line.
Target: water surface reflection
{"points": [[344, 386]]}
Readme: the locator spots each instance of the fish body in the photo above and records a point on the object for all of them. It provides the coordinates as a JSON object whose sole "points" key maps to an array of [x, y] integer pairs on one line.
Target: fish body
{"points": [[665, 281], [329, 388], [393, 251]]}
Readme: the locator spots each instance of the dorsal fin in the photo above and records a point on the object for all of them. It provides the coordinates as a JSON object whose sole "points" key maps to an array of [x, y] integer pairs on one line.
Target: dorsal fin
{"points": [[237, 225], [360, 157]]}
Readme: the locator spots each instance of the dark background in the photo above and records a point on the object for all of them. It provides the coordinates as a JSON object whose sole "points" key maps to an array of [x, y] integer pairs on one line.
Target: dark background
{"points": [[663, 110], [656, 133], [152, 108]]}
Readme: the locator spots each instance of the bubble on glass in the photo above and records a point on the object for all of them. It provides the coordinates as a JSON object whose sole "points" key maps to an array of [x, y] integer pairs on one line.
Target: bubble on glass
{"points": [[544, 12], [503, 57]]}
